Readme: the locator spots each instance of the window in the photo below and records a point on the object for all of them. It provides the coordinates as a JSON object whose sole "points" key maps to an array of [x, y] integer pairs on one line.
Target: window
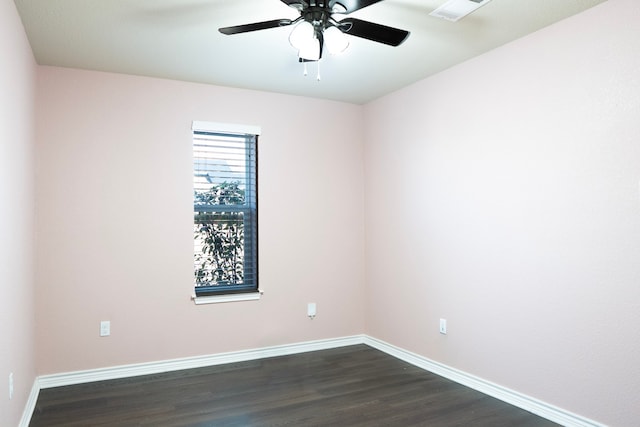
{"points": [[225, 203]]}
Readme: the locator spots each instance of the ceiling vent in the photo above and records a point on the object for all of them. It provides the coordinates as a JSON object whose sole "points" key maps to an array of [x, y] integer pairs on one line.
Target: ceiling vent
{"points": [[453, 10]]}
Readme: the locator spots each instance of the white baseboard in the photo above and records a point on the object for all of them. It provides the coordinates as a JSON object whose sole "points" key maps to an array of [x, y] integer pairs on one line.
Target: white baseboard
{"points": [[530, 404], [125, 371], [512, 397], [30, 405]]}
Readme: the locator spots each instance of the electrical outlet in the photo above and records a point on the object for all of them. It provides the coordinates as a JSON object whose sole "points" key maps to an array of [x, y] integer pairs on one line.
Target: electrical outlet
{"points": [[105, 328], [11, 385], [443, 326], [311, 310]]}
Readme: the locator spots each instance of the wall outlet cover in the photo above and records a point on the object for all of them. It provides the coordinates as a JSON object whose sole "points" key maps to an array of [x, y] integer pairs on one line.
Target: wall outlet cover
{"points": [[311, 309]]}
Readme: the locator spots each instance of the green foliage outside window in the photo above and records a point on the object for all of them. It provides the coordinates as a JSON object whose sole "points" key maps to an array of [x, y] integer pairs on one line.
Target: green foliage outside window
{"points": [[221, 234]]}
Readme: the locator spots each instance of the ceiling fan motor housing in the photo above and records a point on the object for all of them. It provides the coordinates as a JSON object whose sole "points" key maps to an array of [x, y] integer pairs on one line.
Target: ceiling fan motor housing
{"points": [[318, 16]]}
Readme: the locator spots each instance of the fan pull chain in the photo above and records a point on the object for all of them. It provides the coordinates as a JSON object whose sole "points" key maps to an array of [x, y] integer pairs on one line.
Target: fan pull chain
{"points": [[306, 71]]}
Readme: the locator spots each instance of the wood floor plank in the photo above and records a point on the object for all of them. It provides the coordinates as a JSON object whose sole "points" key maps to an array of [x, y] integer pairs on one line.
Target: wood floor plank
{"points": [[348, 386]]}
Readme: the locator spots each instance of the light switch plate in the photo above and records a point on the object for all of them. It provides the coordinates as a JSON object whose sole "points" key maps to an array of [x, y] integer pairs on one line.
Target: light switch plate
{"points": [[105, 328]]}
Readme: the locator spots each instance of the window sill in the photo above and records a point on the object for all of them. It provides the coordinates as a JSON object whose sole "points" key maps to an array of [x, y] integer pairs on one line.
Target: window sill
{"points": [[215, 299]]}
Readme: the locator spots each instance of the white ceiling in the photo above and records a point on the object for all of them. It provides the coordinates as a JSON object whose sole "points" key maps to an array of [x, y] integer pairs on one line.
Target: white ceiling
{"points": [[179, 39]]}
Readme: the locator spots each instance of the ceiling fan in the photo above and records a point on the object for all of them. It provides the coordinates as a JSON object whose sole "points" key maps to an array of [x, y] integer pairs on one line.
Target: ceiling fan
{"points": [[317, 29]]}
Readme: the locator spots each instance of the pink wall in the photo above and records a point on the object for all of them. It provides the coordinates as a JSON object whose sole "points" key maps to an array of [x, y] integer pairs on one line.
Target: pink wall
{"points": [[17, 82], [512, 208], [115, 220], [502, 194]]}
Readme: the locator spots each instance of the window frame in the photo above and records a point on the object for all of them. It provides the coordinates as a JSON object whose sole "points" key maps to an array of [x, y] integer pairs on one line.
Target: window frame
{"points": [[238, 292]]}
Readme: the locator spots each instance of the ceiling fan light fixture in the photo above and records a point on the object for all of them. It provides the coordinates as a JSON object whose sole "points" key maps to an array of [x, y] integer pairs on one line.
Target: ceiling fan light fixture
{"points": [[339, 8], [311, 50], [335, 40], [302, 35]]}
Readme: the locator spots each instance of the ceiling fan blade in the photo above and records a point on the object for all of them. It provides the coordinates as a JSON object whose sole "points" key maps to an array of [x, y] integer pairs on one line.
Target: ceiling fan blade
{"points": [[371, 31], [255, 26], [352, 5]]}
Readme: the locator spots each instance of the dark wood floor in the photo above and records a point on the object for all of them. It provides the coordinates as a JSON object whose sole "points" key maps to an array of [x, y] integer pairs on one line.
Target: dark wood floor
{"points": [[349, 386]]}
